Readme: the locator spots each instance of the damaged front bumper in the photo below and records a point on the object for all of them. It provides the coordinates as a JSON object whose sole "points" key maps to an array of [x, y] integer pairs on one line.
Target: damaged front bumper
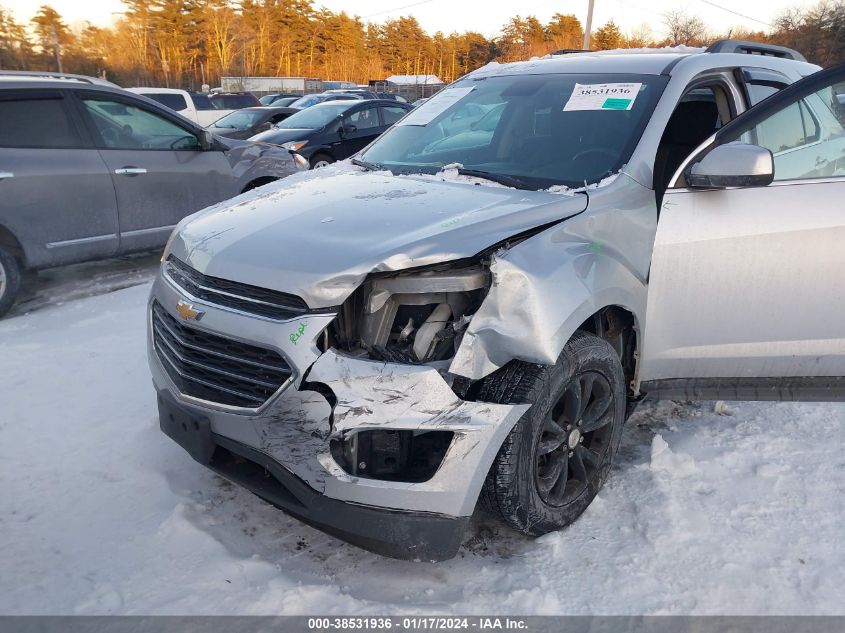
{"points": [[282, 450]]}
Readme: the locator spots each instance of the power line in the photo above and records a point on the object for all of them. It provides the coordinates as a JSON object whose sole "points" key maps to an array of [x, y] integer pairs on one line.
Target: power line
{"points": [[747, 17], [407, 6]]}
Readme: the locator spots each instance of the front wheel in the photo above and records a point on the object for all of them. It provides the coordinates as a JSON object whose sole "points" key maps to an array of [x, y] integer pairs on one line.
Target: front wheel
{"points": [[10, 280], [319, 161], [559, 454]]}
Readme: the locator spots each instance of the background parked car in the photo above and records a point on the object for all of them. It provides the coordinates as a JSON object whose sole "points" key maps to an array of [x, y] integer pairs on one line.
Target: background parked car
{"points": [[250, 121], [194, 105], [88, 170], [279, 99], [308, 100], [234, 100], [334, 130]]}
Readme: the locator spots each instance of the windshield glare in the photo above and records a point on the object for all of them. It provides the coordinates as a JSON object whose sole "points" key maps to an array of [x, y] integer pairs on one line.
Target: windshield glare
{"points": [[534, 128], [239, 120], [316, 117]]}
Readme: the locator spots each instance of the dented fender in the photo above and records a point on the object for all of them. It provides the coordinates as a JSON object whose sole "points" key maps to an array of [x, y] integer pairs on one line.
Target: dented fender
{"points": [[544, 288]]}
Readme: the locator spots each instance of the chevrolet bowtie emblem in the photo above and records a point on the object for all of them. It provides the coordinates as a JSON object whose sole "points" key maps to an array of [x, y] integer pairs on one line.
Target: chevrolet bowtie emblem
{"points": [[187, 311]]}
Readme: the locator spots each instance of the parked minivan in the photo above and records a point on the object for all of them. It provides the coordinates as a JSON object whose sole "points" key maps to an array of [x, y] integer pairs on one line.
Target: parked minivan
{"points": [[88, 170]]}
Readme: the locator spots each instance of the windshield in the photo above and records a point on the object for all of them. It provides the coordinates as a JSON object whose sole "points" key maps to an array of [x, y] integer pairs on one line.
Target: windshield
{"points": [[317, 117], [240, 120], [540, 130]]}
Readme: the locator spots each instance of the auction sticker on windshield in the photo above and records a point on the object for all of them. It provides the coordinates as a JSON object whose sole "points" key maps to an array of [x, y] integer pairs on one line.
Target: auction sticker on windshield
{"points": [[434, 107], [602, 97]]}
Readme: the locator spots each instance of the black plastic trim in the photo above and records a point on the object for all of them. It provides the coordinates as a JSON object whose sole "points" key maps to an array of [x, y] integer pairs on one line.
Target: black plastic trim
{"points": [[789, 389]]}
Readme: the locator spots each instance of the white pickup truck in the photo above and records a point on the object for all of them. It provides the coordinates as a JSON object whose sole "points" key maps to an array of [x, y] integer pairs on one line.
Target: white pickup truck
{"points": [[193, 105]]}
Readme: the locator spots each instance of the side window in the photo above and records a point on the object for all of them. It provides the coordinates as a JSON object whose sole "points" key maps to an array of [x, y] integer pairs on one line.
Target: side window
{"points": [[391, 114], [806, 138], [789, 129], [202, 102], [171, 100], [124, 126], [364, 119], [37, 123], [759, 91]]}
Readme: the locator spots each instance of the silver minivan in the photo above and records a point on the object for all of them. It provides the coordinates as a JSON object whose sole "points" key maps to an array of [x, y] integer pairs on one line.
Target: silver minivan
{"points": [[88, 170], [452, 318]]}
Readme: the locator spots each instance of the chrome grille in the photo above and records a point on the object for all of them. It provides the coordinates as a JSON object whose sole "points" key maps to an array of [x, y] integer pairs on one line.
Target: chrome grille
{"points": [[216, 368], [270, 304]]}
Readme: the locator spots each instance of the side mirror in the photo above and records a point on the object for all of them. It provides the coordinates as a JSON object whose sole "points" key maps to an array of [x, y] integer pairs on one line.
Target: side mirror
{"points": [[265, 126], [206, 140], [733, 165]]}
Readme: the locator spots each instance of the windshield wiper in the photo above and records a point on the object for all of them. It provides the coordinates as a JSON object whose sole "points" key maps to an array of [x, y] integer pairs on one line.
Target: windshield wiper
{"points": [[365, 164], [502, 179]]}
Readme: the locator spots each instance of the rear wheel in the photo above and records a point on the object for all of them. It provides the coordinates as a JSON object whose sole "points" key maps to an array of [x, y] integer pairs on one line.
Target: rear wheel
{"points": [[321, 160], [559, 454], [10, 280]]}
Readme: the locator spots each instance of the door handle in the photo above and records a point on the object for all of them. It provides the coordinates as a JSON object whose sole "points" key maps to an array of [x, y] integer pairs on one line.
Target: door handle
{"points": [[6, 174], [130, 171]]}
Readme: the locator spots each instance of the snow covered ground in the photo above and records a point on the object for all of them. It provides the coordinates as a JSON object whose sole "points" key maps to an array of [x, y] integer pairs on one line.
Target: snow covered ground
{"points": [[736, 509]]}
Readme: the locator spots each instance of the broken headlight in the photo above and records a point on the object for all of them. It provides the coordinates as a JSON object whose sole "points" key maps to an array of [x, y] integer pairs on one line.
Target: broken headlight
{"points": [[415, 317]]}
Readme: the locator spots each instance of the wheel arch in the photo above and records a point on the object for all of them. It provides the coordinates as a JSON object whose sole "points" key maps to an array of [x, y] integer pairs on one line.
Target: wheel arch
{"points": [[529, 318], [258, 182], [10, 241]]}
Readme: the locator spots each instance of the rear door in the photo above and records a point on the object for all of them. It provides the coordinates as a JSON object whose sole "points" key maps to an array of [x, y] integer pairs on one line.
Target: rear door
{"points": [[746, 284], [160, 172], [56, 194]]}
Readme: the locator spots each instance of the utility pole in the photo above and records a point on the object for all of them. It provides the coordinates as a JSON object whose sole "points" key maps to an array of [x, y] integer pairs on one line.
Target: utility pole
{"points": [[589, 25], [57, 48]]}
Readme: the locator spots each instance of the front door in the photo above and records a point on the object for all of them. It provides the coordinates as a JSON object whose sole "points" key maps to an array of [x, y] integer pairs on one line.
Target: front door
{"points": [[160, 172], [361, 128], [747, 285]]}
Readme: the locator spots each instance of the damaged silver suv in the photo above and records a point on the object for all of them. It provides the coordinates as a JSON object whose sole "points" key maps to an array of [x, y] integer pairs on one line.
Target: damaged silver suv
{"points": [[468, 308]]}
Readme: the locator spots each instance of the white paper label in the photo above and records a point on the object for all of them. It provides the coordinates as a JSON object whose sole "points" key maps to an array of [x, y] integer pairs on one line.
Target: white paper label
{"points": [[434, 107], [602, 97]]}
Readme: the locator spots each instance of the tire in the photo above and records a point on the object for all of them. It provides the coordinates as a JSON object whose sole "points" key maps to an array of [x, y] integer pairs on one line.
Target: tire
{"points": [[10, 280], [321, 160], [522, 486]]}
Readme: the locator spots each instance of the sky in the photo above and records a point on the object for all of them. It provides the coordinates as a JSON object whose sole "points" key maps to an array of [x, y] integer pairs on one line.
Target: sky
{"points": [[486, 16]]}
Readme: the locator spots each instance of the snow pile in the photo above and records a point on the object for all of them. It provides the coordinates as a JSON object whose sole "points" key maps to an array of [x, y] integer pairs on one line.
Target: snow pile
{"points": [[102, 514]]}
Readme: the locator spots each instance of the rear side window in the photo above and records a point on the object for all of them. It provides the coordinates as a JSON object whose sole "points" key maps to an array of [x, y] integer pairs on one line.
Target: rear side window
{"points": [[792, 127], [202, 102], [392, 114], [37, 123], [173, 101]]}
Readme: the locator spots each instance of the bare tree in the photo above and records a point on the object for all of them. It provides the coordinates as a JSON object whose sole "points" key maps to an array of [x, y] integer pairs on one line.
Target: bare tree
{"points": [[684, 29]]}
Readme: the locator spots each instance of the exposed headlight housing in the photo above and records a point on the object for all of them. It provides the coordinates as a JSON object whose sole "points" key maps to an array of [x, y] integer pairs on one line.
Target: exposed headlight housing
{"points": [[414, 317]]}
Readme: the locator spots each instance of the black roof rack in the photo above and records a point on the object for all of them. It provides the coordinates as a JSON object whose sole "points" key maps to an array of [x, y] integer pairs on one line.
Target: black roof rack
{"points": [[754, 48]]}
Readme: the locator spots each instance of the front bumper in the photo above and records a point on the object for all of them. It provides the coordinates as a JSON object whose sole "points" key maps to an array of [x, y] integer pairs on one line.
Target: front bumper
{"points": [[288, 436], [405, 535]]}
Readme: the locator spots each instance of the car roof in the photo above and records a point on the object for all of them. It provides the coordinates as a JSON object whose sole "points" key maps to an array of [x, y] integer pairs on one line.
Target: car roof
{"points": [[161, 90], [646, 61], [354, 102]]}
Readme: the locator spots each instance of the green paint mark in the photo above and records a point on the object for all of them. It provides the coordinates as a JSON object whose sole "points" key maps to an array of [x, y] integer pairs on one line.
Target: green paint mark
{"points": [[595, 247], [296, 335], [450, 223], [616, 104]]}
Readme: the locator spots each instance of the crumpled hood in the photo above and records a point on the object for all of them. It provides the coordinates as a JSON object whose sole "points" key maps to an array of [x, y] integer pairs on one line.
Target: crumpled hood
{"points": [[318, 234]]}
